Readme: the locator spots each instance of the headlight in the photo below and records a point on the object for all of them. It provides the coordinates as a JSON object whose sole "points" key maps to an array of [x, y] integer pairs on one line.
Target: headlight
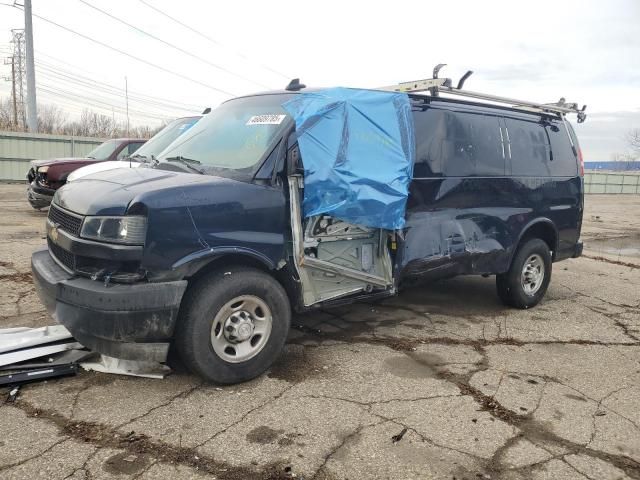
{"points": [[42, 169], [130, 230]]}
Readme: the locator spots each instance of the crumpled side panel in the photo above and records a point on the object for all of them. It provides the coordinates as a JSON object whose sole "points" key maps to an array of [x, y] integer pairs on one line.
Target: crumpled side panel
{"points": [[358, 150]]}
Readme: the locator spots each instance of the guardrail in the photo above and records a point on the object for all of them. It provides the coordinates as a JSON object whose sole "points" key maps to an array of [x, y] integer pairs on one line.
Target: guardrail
{"points": [[612, 182], [17, 149]]}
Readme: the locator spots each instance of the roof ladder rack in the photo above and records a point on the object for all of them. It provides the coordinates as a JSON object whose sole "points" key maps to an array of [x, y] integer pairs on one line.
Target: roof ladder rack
{"points": [[436, 85]]}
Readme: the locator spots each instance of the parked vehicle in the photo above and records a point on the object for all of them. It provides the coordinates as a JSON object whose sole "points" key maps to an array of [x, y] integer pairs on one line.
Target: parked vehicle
{"points": [[145, 154], [210, 250], [46, 176]]}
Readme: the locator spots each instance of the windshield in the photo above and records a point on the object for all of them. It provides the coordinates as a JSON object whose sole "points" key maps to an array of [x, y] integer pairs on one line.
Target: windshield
{"points": [[233, 138], [164, 137], [104, 150]]}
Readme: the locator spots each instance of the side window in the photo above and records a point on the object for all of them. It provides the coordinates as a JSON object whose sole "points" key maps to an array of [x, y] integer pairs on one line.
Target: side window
{"points": [[134, 146], [487, 145], [564, 162], [530, 149], [457, 144], [458, 159], [128, 150], [429, 131]]}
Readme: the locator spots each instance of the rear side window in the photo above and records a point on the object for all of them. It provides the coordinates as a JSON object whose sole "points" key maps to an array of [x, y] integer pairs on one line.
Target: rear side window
{"points": [[530, 148], [457, 144], [563, 161]]}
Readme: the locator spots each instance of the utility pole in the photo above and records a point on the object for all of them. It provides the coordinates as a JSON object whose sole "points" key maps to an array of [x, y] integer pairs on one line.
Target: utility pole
{"points": [[32, 113], [13, 79], [13, 92], [16, 60], [126, 95]]}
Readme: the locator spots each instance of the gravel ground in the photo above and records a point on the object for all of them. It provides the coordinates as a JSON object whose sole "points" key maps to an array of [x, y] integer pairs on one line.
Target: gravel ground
{"points": [[440, 382]]}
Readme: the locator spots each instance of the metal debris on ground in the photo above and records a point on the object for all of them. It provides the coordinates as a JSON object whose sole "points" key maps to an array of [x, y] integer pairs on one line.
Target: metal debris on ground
{"points": [[29, 376], [398, 437], [22, 337], [13, 394], [106, 364], [29, 353]]}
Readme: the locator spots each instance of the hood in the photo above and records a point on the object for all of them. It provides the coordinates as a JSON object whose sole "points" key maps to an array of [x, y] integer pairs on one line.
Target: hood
{"points": [[62, 161], [101, 167], [112, 191]]}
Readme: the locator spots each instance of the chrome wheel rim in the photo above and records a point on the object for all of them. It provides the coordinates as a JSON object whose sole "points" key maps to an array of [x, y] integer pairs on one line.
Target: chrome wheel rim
{"points": [[532, 274], [241, 328]]}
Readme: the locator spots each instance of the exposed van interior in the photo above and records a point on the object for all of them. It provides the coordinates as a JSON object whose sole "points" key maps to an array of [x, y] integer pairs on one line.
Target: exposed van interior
{"points": [[334, 258]]}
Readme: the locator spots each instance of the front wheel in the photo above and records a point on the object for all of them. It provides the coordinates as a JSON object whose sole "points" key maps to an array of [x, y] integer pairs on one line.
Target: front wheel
{"points": [[233, 324], [526, 282]]}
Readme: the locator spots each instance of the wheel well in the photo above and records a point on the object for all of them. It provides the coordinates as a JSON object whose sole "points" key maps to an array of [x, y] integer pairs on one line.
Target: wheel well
{"points": [[544, 231], [281, 275], [228, 260]]}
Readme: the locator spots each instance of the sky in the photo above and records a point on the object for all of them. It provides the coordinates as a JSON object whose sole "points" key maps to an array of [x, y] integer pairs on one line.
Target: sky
{"points": [[586, 51]]}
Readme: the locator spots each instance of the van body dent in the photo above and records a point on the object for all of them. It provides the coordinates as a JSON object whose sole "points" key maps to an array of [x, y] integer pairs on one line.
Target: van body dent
{"points": [[210, 251]]}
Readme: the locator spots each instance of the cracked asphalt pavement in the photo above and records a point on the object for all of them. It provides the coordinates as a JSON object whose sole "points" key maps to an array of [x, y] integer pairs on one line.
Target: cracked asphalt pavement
{"points": [[439, 382]]}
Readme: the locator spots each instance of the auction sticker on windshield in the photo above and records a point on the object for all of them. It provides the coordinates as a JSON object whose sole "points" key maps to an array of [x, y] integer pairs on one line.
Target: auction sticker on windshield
{"points": [[266, 120]]}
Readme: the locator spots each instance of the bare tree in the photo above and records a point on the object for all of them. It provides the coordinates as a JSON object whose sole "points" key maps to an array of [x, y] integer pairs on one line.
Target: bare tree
{"points": [[633, 139], [6, 114], [624, 157], [51, 119]]}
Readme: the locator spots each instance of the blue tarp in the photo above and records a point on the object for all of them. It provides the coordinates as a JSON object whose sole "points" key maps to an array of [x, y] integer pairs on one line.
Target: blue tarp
{"points": [[358, 149]]}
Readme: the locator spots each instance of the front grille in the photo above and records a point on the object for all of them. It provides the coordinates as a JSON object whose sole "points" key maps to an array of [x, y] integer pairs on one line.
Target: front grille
{"points": [[68, 222], [124, 272], [63, 256]]}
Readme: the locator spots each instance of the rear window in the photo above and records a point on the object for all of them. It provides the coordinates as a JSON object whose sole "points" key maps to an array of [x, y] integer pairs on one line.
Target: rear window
{"points": [[457, 144], [563, 159], [530, 148], [540, 149]]}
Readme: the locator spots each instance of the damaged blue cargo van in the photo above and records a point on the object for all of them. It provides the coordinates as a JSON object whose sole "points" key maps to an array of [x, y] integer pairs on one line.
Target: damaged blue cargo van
{"points": [[294, 199]]}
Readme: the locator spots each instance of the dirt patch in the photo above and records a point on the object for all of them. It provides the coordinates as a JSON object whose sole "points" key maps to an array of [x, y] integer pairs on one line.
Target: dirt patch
{"points": [[263, 435], [410, 367], [126, 463]]}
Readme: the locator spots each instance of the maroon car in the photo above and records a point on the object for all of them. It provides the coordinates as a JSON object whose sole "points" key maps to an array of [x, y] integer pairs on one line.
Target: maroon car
{"points": [[46, 176]]}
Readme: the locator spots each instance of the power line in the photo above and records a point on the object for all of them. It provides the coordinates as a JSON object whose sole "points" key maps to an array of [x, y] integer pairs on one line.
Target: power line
{"points": [[68, 73], [95, 103], [182, 50], [107, 97], [122, 52], [59, 76], [215, 42], [105, 102]]}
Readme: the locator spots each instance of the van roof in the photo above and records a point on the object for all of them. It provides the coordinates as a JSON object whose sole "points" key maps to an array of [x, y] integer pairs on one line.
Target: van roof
{"points": [[427, 99]]}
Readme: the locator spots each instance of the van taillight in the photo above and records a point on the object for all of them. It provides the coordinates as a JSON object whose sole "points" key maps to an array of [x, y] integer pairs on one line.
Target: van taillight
{"points": [[581, 160]]}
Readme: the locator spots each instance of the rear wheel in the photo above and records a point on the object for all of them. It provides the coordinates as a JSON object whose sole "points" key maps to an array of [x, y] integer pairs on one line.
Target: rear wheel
{"points": [[526, 282], [233, 324]]}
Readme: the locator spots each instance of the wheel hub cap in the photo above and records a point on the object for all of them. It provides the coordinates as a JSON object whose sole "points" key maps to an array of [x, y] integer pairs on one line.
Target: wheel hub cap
{"points": [[241, 328], [532, 275], [238, 327]]}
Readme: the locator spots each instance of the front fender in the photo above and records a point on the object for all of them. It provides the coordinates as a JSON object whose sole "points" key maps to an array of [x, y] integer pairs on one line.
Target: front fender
{"points": [[194, 262]]}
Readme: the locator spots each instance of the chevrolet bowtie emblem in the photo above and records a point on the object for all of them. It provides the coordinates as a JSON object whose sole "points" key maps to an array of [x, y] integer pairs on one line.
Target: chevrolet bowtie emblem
{"points": [[53, 233]]}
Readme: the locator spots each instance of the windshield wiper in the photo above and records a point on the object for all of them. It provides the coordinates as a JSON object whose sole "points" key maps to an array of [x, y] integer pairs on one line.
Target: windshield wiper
{"points": [[88, 156], [188, 162], [138, 155]]}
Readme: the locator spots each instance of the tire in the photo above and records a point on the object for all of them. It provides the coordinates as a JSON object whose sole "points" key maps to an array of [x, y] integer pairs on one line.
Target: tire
{"points": [[220, 309], [520, 289]]}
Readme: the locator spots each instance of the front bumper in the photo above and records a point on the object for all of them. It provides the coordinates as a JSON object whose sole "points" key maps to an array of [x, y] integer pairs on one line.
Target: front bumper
{"points": [[39, 197], [133, 322]]}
